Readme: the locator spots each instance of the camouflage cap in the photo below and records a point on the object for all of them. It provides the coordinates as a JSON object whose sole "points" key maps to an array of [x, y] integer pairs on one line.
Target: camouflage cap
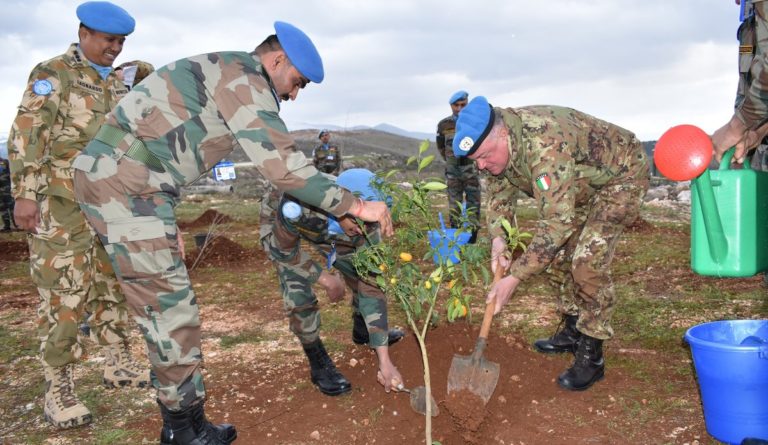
{"points": [[106, 17], [472, 126], [300, 51]]}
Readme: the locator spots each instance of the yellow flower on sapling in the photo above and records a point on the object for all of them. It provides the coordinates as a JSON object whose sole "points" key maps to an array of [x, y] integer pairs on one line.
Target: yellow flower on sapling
{"points": [[428, 284], [405, 257]]}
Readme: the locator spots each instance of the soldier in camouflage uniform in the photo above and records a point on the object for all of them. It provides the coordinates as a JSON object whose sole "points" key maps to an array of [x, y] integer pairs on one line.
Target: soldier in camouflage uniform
{"points": [[65, 102], [588, 178], [461, 174], [326, 156], [167, 132], [6, 199], [281, 235], [747, 127]]}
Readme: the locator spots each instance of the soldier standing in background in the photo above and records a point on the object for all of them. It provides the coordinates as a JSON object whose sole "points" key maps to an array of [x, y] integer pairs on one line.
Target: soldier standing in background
{"points": [[6, 199], [183, 119], [64, 104], [284, 224], [588, 178], [461, 174], [326, 156]]}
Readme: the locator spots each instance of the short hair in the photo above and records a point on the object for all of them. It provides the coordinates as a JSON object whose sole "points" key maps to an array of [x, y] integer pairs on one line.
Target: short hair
{"points": [[268, 45]]}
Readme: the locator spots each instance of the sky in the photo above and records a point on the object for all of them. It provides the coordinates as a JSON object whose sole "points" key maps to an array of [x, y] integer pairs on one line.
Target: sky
{"points": [[645, 65]]}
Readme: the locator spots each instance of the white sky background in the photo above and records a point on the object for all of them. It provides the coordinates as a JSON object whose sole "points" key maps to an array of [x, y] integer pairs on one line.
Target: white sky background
{"points": [[643, 64]]}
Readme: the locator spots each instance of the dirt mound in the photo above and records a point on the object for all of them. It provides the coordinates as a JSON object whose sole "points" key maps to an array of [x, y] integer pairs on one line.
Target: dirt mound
{"points": [[220, 251], [208, 217], [14, 250]]}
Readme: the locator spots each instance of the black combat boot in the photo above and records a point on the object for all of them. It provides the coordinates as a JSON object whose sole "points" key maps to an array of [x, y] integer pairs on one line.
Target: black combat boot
{"points": [[190, 427], [588, 366], [563, 340], [360, 332], [324, 374]]}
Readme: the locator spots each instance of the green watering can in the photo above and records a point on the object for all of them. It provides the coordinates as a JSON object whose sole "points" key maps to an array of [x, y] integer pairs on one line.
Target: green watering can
{"points": [[729, 208]]}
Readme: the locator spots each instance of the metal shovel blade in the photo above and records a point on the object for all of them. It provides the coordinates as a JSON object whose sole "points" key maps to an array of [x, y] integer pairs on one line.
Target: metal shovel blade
{"points": [[418, 397], [474, 373], [419, 401]]}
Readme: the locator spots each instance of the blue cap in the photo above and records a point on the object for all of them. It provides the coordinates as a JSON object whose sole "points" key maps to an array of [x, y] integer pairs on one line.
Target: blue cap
{"points": [[357, 181], [300, 51], [106, 17], [472, 126], [457, 96], [322, 132]]}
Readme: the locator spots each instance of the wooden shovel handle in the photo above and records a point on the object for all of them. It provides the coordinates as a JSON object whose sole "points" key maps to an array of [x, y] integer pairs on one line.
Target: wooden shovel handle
{"points": [[491, 306]]}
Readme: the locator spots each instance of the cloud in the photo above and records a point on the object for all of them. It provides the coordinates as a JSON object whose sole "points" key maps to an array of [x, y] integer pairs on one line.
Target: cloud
{"points": [[645, 64]]}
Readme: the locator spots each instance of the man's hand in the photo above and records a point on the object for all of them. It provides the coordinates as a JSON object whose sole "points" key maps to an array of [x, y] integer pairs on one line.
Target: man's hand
{"points": [[374, 211], [27, 214], [732, 134], [500, 256], [349, 226], [502, 291], [333, 285], [389, 377]]}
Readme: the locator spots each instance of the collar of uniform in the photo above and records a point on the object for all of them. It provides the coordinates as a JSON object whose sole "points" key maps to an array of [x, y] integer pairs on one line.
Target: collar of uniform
{"points": [[263, 72], [76, 57], [515, 132]]}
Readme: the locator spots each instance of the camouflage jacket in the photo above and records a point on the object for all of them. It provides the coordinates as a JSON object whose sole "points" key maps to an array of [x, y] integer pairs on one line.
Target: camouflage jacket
{"points": [[446, 129], [560, 157], [327, 158], [753, 109], [52, 127], [195, 111]]}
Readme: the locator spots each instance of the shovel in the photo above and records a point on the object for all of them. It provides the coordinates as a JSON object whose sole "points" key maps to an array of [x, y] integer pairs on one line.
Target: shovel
{"points": [[419, 400], [474, 373]]}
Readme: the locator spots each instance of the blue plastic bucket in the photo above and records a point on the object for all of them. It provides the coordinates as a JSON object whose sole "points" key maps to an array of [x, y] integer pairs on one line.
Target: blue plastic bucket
{"points": [[731, 360], [447, 242]]}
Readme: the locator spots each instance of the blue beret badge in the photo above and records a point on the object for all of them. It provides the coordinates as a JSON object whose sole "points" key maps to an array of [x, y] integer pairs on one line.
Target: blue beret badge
{"points": [[42, 87]]}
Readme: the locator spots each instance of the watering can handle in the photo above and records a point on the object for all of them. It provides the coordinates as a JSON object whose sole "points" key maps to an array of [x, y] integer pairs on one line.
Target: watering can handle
{"points": [[725, 164]]}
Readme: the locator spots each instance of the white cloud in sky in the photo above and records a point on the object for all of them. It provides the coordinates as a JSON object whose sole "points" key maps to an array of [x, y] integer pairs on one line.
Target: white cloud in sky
{"points": [[643, 64]]}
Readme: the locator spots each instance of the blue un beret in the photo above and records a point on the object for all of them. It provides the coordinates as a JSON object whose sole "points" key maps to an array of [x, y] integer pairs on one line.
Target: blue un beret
{"points": [[459, 95], [300, 51], [106, 17], [472, 126]]}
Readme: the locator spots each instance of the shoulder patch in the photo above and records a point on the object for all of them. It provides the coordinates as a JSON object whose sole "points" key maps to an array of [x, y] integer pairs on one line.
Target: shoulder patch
{"points": [[42, 87], [543, 182]]}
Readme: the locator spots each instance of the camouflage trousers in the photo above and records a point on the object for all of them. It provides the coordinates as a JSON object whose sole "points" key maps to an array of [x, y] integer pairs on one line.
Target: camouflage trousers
{"points": [[72, 273], [6, 210], [132, 209], [582, 268], [297, 272], [463, 188]]}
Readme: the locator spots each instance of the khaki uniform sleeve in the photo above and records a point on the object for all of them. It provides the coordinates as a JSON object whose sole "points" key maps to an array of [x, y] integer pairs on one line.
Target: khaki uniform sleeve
{"points": [[28, 141], [556, 207], [252, 116]]}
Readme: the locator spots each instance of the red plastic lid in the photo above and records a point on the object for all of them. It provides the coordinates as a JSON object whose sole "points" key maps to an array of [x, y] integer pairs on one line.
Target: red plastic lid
{"points": [[683, 152]]}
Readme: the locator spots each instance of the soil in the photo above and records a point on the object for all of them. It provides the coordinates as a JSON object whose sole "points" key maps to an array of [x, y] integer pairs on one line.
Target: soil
{"points": [[277, 404], [208, 217], [274, 402]]}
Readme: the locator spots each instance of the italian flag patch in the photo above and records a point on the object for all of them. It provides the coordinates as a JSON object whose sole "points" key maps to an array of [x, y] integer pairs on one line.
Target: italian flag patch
{"points": [[543, 182]]}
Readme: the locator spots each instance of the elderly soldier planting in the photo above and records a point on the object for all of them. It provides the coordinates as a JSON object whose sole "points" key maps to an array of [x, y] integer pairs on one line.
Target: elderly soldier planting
{"points": [[169, 130], [64, 104], [588, 178]]}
